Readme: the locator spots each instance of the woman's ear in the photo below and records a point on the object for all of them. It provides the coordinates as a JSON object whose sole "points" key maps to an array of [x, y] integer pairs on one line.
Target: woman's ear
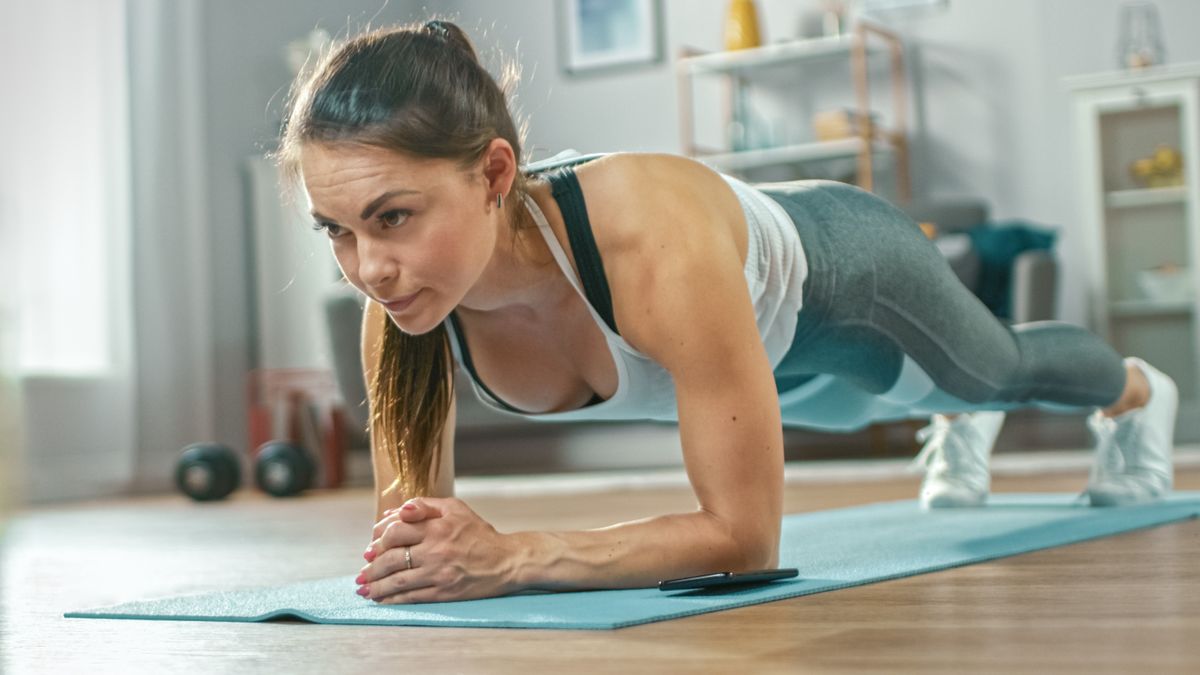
{"points": [[499, 165]]}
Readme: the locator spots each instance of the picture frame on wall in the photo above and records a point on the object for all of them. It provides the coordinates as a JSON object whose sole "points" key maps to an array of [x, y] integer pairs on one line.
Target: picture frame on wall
{"points": [[600, 36]]}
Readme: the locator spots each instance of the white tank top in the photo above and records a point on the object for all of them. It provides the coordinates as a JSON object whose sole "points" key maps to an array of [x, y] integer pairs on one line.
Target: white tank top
{"points": [[775, 271]]}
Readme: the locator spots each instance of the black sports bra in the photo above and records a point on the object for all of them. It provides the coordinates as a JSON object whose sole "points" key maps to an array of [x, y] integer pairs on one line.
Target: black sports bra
{"points": [[564, 186]]}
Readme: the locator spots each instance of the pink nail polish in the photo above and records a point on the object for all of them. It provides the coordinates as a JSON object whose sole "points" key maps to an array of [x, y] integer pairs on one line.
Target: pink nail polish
{"points": [[369, 555], [362, 579], [363, 591], [409, 507]]}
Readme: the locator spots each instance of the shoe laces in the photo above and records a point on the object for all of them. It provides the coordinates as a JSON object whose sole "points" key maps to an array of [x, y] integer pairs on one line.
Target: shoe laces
{"points": [[934, 439], [1111, 436], [950, 444]]}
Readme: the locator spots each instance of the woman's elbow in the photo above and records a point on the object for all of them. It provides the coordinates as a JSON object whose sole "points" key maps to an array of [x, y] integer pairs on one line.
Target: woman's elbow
{"points": [[760, 545], [760, 555]]}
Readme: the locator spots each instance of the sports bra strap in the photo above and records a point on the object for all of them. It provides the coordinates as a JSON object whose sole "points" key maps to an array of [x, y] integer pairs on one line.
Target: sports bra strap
{"points": [[564, 185]]}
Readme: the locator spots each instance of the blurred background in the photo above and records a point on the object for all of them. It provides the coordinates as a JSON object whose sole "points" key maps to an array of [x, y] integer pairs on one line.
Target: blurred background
{"points": [[162, 294]]}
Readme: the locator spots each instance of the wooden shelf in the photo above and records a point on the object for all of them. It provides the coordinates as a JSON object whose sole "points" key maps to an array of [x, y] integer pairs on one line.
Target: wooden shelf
{"points": [[758, 57], [1120, 199], [854, 48], [801, 152]]}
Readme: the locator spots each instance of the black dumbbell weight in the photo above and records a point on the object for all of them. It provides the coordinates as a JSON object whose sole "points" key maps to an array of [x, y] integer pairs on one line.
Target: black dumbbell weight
{"points": [[283, 469], [207, 471]]}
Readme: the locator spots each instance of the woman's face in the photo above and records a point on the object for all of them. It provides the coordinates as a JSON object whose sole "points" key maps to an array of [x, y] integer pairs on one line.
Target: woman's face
{"points": [[400, 226]]}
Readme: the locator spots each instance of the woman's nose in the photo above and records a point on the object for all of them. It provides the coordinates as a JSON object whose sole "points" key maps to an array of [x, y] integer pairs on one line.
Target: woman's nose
{"points": [[376, 266]]}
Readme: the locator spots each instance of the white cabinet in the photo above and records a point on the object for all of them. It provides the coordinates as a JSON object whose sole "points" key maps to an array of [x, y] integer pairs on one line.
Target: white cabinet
{"points": [[1140, 234]]}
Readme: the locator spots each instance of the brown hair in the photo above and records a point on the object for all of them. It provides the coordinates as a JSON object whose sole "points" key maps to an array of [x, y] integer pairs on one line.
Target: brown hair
{"points": [[419, 90]]}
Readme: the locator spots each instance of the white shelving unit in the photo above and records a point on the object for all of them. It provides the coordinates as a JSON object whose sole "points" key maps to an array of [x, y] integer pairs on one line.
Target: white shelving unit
{"points": [[749, 60], [1118, 118], [799, 152], [741, 65]]}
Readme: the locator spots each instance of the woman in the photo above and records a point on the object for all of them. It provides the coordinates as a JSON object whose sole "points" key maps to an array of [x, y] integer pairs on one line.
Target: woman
{"points": [[647, 286]]}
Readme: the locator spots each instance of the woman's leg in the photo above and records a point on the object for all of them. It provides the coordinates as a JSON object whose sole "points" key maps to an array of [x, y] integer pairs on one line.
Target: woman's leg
{"points": [[1136, 394], [884, 311], [885, 315]]}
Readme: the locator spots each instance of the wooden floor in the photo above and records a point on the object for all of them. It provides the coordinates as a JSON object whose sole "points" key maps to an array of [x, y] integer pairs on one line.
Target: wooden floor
{"points": [[1128, 603]]}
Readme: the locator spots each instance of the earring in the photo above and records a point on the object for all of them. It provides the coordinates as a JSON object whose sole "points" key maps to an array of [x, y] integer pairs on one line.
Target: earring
{"points": [[499, 200]]}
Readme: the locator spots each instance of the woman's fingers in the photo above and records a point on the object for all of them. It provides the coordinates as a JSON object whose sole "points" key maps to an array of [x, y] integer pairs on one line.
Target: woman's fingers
{"points": [[411, 595], [413, 511], [401, 588], [377, 530], [394, 534], [385, 555], [382, 526], [390, 574]]}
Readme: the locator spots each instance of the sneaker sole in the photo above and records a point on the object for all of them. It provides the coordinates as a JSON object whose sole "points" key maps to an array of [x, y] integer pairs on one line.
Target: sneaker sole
{"points": [[948, 500]]}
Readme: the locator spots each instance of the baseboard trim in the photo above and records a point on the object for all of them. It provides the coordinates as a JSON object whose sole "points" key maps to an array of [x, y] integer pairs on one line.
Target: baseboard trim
{"points": [[827, 471]]}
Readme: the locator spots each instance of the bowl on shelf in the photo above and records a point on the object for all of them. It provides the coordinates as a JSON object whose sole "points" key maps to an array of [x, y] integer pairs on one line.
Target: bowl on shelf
{"points": [[1166, 283], [1163, 168]]}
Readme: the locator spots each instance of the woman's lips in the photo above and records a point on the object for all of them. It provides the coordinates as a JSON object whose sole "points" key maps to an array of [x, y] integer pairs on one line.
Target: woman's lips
{"points": [[402, 303]]}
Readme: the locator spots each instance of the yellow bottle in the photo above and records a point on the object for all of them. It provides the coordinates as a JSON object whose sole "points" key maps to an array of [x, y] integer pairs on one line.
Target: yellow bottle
{"points": [[741, 25]]}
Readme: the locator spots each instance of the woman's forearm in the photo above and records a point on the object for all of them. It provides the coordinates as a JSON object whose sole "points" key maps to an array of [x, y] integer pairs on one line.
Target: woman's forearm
{"points": [[635, 554]]}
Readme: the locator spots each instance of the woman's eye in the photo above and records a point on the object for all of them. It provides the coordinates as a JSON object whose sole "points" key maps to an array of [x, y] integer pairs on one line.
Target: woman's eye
{"points": [[332, 230], [392, 218]]}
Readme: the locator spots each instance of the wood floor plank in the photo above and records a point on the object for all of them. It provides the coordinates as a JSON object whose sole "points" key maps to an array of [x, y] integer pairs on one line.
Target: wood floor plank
{"points": [[1123, 604]]}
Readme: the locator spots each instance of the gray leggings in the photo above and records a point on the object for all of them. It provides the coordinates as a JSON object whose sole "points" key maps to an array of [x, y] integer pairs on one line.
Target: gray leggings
{"points": [[887, 330]]}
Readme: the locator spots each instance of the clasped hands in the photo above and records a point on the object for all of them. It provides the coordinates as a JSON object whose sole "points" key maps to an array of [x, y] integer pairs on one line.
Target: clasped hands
{"points": [[455, 555]]}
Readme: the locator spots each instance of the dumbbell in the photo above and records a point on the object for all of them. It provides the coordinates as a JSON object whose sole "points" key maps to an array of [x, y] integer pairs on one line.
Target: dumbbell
{"points": [[283, 469], [211, 471], [207, 471]]}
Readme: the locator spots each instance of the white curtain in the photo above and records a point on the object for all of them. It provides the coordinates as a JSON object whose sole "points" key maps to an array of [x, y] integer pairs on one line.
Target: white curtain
{"points": [[172, 263], [65, 213], [65, 184]]}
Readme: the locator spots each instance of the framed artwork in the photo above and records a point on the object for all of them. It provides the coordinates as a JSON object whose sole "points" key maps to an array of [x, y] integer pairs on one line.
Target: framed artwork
{"points": [[604, 35]]}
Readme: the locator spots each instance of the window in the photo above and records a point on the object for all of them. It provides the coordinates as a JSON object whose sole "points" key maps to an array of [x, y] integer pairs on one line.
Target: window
{"points": [[64, 197]]}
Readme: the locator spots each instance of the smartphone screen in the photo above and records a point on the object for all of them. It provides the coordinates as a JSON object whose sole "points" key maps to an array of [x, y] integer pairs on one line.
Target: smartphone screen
{"points": [[727, 579]]}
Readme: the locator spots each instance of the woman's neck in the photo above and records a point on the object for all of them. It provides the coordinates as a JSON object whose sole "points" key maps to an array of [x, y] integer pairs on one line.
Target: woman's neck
{"points": [[521, 280]]}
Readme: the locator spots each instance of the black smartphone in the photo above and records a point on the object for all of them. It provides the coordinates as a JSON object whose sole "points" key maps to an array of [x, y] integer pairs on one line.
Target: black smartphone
{"points": [[727, 579]]}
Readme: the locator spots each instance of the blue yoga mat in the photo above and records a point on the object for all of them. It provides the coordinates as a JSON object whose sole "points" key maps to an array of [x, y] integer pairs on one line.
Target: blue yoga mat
{"points": [[832, 549]]}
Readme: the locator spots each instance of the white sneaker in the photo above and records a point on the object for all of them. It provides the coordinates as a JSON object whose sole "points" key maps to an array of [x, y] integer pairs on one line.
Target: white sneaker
{"points": [[1133, 450], [956, 457]]}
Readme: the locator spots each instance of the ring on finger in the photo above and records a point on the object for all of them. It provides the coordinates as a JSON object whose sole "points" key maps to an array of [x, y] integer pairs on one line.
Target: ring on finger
{"points": [[408, 556]]}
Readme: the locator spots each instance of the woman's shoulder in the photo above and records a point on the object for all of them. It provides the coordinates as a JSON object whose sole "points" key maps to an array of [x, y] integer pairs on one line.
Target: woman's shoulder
{"points": [[645, 207], [632, 192], [649, 171]]}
